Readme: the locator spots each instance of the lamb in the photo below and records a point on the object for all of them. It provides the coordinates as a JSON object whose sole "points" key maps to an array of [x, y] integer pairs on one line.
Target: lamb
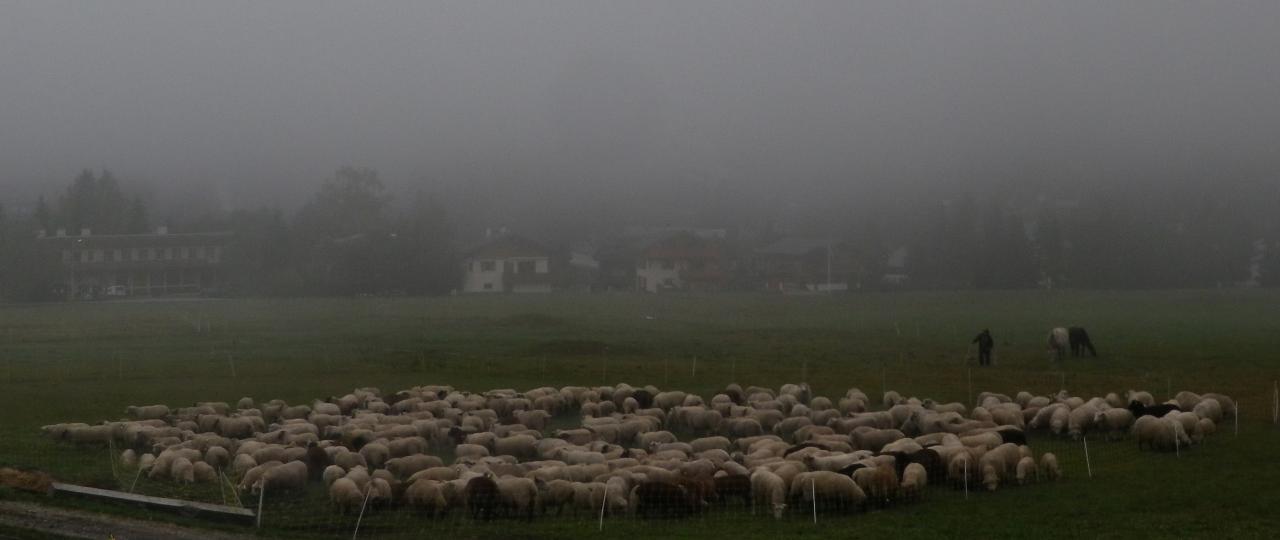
{"points": [[768, 489]]}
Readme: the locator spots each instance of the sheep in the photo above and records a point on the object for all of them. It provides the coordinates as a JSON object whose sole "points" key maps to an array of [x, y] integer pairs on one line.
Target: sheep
{"points": [[346, 495], [768, 490], [827, 491], [518, 495], [332, 473], [891, 398], [1049, 467], [147, 412], [406, 466], [1114, 421], [666, 499], [1208, 408], [182, 471], [1227, 404], [1143, 398], [1026, 470], [482, 497], [289, 476], [1080, 420], [1058, 343], [914, 480]]}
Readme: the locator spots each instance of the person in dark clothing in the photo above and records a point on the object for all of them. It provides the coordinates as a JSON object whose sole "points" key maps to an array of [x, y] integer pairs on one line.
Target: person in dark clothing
{"points": [[1079, 339], [985, 344]]}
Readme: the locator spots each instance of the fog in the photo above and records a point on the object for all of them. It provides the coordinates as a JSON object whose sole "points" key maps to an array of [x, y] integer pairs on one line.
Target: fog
{"points": [[255, 101]]}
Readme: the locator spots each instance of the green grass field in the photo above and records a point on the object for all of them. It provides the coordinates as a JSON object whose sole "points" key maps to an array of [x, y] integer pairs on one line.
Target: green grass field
{"points": [[87, 362]]}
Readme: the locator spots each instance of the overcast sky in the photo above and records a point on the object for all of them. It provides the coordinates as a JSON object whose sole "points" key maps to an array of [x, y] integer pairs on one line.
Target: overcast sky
{"points": [[533, 100]]}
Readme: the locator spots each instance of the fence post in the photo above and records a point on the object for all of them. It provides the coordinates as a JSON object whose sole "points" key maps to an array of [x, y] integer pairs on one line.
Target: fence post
{"points": [[367, 492], [1088, 465], [604, 500], [813, 494], [231, 361], [695, 367], [966, 478], [262, 492], [1275, 402], [1237, 415]]}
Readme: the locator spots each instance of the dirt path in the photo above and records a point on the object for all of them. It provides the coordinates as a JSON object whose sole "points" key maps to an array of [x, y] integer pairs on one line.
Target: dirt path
{"points": [[81, 524]]}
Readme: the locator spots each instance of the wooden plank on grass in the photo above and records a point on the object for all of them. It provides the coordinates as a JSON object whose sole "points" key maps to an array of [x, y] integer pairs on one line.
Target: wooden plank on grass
{"points": [[178, 505]]}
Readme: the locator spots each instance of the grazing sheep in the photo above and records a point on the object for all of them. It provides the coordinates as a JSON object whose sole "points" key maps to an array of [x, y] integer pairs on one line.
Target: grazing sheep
{"points": [[147, 412], [1143, 398], [1080, 421], [1049, 467], [289, 476], [664, 499], [182, 471], [428, 496], [518, 495], [1139, 410], [404, 467], [332, 473], [768, 490], [1209, 408], [1026, 471], [827, 491], [482, 498], [346, 495], [914, 480]]}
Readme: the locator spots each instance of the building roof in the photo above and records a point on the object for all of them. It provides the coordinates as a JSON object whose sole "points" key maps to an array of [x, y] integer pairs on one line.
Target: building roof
{"points": [[682, 246], [508, 245], [138, 240], [796, 246]]}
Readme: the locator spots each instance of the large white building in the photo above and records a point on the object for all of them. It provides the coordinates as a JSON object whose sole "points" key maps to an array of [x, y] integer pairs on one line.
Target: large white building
{"points": [[508, 263]]}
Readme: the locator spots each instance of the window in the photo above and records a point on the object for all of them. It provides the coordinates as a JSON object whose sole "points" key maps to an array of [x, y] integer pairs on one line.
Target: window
{"points": [[487, 266], [200, 252], [526, 267], [668, 265], [215, 253], [84, 255], [151, 254], [67, 256], [168, 253], [117, 255], [488, 286], [184, 253], [98, 255], [135, 255]]}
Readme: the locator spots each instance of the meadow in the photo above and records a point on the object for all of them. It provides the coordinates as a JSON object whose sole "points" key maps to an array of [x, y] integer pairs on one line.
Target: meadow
{"points": [[87, 362]]}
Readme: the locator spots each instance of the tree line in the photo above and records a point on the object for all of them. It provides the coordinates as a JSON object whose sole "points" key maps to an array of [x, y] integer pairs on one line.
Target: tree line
{"points": [[353, 236]]}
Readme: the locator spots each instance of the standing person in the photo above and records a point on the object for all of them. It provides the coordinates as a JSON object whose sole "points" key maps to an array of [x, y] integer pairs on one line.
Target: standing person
{"points": [[985, 344]]}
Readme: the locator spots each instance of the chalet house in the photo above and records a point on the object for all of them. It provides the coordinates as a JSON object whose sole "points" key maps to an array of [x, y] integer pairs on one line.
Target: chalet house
{"points": [[798, 264], [682, 262], [508, 263], [118, 265]]}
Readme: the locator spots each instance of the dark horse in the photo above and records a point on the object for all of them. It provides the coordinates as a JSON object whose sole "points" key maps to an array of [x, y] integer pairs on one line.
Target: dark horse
{"points": [[1079, 339]]}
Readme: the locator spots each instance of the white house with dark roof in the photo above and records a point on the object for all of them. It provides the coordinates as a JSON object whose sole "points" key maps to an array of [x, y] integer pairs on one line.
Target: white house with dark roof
{"points": [[508, 263]]}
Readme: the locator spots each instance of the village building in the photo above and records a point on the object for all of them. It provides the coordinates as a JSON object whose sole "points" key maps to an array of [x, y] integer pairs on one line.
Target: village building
{"points": [[128, 265], [682, 262], [508, 263], [800, 264]]}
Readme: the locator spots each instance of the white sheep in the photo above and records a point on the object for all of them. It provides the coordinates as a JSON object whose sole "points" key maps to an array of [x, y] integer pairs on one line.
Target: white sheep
{"points": [[346, 495], [914, 480], [768, 490], [182, 471], [1208, 408], [1115, 422], [1049, 466], [1026, 471]]}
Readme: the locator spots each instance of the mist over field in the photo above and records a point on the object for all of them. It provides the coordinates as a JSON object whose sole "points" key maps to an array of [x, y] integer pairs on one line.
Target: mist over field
{"points": [[979, 144]]}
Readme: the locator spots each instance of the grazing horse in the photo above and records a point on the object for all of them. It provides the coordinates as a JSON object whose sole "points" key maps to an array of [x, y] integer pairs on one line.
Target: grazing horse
{"points": [[1079, 339], [1058, 342]]}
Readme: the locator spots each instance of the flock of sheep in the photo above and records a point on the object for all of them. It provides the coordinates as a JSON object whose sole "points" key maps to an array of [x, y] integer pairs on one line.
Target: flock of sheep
{"points": [[438, 449]]}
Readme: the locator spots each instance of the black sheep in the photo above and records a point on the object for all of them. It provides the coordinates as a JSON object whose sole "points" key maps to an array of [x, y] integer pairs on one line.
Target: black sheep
{"points": [[662, 499], [482, 497], [1157, 411], [644, 398], [734, 485], [1012, 435]]}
